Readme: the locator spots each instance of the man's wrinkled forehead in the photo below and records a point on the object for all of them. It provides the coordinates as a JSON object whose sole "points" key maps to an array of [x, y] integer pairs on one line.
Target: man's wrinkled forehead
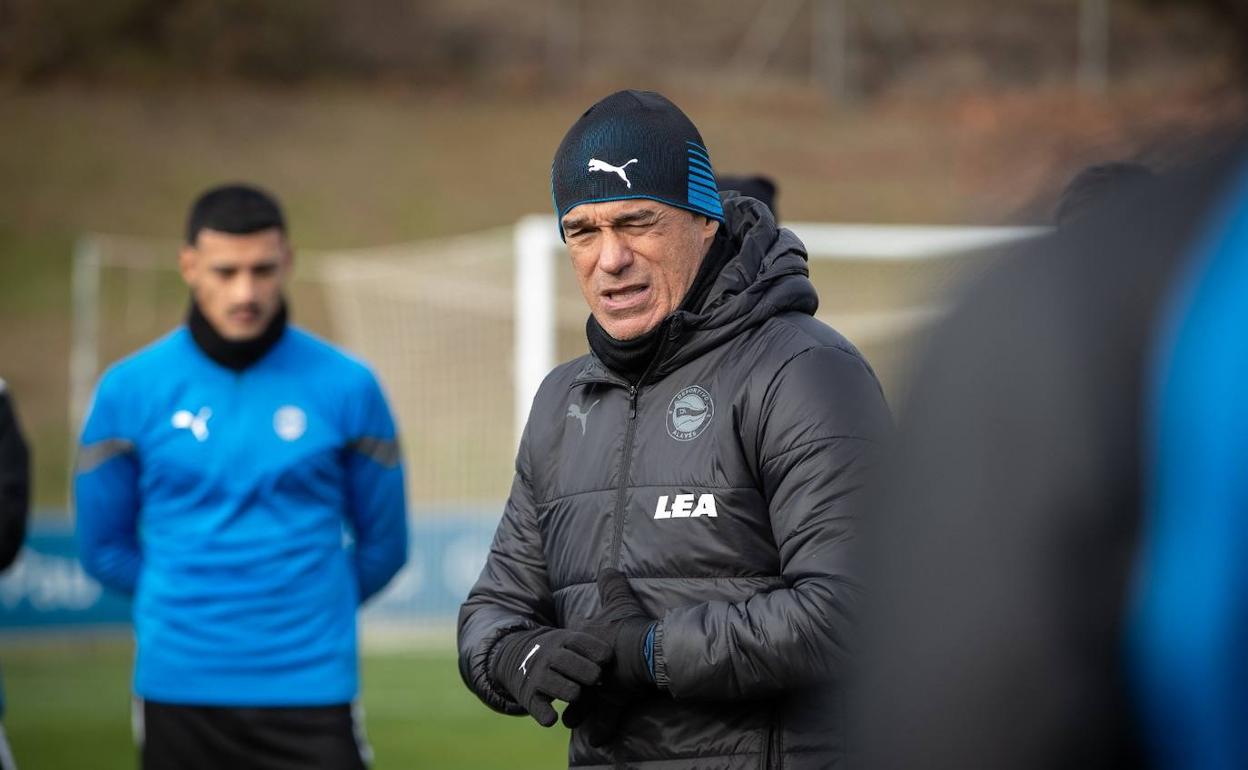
{"points": [[617, 213]]}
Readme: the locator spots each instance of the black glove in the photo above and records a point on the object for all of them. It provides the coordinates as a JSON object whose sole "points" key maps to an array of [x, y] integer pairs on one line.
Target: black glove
{"points": [[622, 623], [537, 667]]}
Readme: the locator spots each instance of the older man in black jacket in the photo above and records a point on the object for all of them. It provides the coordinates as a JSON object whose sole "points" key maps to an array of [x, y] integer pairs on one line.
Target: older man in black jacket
{"points": [[674, 558]]}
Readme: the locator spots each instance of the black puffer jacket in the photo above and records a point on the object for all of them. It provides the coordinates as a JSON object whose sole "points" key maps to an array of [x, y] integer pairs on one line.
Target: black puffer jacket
{"points": [[726, 487]]}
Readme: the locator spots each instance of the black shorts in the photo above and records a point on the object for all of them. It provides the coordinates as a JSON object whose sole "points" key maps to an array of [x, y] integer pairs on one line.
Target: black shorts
{"points": [[173, 737]]}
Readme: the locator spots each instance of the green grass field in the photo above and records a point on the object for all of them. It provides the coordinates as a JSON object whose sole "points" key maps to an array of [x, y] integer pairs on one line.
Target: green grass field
{"points": [[68, 708]]}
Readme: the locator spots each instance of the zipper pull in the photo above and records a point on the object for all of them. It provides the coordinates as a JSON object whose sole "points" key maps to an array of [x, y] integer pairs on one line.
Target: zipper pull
{"points": [[632, 402]]}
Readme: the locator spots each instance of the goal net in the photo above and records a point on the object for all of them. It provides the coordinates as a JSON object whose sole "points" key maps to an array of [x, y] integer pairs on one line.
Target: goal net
{"points": [[461, 330]]}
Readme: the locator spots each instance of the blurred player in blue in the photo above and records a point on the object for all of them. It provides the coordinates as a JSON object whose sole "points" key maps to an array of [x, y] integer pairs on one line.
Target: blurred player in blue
{"points": [[241, 478]]}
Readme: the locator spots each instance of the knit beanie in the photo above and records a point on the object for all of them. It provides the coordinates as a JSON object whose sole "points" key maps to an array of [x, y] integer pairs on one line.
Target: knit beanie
{"points": [[634, 144]]}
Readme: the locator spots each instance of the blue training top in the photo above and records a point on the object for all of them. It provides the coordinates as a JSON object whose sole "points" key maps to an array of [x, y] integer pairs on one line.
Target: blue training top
{"points": [[227, 502]]}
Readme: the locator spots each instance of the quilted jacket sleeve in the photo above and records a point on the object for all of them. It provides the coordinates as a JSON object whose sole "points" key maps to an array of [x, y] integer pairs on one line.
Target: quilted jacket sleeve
{"points": [[513, 592], [820, 426]]}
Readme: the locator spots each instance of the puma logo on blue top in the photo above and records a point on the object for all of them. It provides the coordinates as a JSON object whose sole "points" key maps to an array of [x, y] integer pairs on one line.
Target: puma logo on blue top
{"points": [[196, 423]]}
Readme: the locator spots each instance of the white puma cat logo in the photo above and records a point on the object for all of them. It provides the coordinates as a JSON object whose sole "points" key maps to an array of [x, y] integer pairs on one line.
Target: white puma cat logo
{"points": [[197, 424], [602, 165]]}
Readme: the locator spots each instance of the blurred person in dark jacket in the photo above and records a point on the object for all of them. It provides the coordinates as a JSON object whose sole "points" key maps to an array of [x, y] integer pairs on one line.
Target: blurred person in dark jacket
{"points": [[757, 186], [14, 481], [1098, 184], [14, 510], [687, 495], [1002, 550]]}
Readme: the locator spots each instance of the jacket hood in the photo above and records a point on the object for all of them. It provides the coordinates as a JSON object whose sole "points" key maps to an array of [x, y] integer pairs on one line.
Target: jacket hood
{"points": [[768, 276]]}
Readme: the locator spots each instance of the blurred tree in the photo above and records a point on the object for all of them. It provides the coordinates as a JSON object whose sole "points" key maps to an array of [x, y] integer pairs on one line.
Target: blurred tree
{"points": [[1229, 17], [914, 44], [270, 39], [41, 38]]}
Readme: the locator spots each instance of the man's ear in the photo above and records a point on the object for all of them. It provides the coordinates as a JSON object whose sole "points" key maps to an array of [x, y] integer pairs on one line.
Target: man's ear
{"points": [[709, 228], [186, 263]]}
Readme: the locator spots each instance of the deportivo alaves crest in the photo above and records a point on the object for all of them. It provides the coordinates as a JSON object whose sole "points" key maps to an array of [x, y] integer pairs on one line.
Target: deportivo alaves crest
{"points": [[290, 422], [689, 413]]}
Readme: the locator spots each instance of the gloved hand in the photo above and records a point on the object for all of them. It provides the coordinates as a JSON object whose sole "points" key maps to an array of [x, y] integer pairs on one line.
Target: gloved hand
{"points": [[539, 666], [622, 623]]}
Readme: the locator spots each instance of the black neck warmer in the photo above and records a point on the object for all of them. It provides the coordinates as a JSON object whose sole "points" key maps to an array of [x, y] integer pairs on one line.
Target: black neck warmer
{"points": [[631, 358], [234, 354]]}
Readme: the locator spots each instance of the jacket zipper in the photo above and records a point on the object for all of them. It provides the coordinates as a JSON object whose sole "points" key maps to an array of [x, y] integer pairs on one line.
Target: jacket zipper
{"points": [[771, 754], [626, 463], [621, 494], [765, 754]]}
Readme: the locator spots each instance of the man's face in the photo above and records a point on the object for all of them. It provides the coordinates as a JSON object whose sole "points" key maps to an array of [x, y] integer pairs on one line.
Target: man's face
{"points": [[635, 260], [237, 280]]}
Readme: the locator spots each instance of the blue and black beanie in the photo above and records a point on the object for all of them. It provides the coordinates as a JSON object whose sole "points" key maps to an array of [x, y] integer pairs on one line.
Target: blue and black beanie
{"points": [[634, 144]]}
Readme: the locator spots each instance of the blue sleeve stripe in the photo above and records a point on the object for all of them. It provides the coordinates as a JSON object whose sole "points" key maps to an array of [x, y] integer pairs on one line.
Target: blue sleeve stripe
{"points": [[95, 454], [382, 451]]}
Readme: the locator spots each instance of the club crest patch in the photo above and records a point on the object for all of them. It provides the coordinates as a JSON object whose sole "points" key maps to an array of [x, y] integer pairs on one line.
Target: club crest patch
{"points": [[689, 413], [289, 423]]}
